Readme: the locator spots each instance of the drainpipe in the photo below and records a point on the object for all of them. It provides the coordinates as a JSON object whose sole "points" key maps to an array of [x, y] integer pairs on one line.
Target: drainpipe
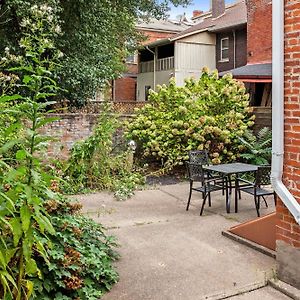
{"points": [[234, 50], [154, 66], [278, 110]]}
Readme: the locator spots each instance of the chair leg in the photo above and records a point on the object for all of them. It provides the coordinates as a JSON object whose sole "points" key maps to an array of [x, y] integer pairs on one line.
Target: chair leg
{"points": [[257, 205], [265, 201], [190, 195], [203, 204], [209, 200], [275, 199]]}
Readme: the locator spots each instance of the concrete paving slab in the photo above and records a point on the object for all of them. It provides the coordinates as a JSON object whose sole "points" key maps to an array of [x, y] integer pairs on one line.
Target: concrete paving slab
{"points": [[169, 253], [266, 293]]}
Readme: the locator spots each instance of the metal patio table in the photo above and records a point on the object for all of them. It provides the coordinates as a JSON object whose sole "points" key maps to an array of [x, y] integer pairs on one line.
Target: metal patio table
{"points": [[228, 170]]}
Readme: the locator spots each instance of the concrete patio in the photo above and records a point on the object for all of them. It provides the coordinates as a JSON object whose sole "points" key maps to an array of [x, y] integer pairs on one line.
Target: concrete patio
{"points": [[169, 253]]}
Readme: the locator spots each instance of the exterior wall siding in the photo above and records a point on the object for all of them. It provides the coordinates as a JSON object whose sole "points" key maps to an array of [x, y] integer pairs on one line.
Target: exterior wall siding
{"points": [[288, 231], [191, 58], [146, 79], [240, 50], [259, 31]]}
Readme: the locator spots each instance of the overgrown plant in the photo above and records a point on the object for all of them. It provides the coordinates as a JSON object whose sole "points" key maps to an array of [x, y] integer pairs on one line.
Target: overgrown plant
{"points": [[94, 165], [208, 113], [24, 185], [258, 148], [26, 223], [80, 260]]}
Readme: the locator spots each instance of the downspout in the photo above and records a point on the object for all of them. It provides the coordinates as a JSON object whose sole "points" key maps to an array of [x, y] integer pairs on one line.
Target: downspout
{"points": [[278, 110], [154, 66], [234, 49]]}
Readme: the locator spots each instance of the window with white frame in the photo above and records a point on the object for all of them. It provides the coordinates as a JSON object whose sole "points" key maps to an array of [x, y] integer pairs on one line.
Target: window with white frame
{"points": [[224, 49]]}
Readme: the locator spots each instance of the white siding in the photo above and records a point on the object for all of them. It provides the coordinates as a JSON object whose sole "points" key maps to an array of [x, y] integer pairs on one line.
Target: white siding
{"points": [[146, 79], [201, 38], [191, 58]]}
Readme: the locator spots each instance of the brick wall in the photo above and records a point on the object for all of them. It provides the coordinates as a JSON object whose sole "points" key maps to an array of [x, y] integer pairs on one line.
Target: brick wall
{"points": [[153, 36], [67, 130], [288, 232], [240, 50], [259, 29], [124, 89]]}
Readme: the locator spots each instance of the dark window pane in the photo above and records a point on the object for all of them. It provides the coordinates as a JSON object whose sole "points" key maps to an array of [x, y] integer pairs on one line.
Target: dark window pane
{"points": [[224, 54]]}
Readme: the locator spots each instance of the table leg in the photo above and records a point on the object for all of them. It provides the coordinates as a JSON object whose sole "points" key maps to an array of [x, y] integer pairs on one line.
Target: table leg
{"points": [[236, 195], [227, 196]]}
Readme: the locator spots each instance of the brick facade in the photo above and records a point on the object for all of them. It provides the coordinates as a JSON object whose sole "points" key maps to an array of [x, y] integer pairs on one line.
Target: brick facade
{"points": [[288, 231], [259, 29], [153, 36], [240, 50], [124, 89], [67, 130]]}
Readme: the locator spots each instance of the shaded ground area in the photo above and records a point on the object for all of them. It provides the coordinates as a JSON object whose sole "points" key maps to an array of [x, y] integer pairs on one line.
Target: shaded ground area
{"points": [[169, 253]]}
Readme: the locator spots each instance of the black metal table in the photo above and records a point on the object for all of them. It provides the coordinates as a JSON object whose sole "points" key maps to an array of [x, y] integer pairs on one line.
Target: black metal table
{"points": [[228, 170]]}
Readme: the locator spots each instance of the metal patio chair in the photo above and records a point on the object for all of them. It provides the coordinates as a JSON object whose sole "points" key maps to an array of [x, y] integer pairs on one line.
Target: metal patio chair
{"points": [[208, 184], [257, 188]]}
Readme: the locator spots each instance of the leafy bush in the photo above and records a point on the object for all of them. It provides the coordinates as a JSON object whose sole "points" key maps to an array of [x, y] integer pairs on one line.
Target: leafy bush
{"points": [[258, 148], [29, 224], [80, 259], [93, 165], [209, 113]]}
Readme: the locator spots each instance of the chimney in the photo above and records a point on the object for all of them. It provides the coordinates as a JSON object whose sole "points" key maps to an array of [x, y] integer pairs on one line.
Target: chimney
{"points": [[217, 7], [197, 13]]}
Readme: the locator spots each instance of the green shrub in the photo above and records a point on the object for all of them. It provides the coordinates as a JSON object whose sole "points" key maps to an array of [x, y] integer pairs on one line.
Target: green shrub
{"points": [[209, 113], [95, 165], [258, 148], [80, 259]]}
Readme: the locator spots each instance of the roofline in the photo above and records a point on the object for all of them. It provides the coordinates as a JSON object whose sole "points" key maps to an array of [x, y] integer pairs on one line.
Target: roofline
{"points": [[209, 12], [189, 34], [159, 30], [219, 29], [157, 43]]}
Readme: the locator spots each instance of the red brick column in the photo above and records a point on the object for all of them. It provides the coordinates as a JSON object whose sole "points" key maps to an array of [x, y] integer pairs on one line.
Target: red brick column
{"points": [[288, 231]]}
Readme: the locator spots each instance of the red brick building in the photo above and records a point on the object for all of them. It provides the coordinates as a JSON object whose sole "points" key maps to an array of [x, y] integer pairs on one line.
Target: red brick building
{"points": [[288, 231], [124, 88], [259, 41]]}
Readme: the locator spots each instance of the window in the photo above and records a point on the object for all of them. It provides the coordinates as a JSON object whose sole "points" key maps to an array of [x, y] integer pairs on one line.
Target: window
{"points": [[147, 89], [225, 49], [132, 59]]}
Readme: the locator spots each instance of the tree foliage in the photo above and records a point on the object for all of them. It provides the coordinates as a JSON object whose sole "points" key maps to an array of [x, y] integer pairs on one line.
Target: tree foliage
{"points": [[96, 37]]}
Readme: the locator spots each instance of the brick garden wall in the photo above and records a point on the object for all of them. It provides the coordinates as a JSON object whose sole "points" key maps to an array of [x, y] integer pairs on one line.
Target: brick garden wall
{"points": [[69, 129], [288, 232], [259, 30]]}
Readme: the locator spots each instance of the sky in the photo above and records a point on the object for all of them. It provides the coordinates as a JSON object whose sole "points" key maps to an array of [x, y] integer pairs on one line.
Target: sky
{"points": [[196, 5]]}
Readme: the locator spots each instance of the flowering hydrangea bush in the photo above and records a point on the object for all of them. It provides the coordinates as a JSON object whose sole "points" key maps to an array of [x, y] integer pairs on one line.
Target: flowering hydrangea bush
{"points": [[209, 113]]}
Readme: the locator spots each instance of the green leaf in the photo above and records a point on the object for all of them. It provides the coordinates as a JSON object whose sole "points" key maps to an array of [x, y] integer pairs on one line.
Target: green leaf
{"points": [[45, 121], [25, 214], [31, 267], [16, 229], [7, 98], [21, 154], [27, 79], [29, 286], [7, 146]]}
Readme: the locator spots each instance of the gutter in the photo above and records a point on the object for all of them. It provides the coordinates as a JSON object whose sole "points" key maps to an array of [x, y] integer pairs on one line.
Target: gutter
{"points": [[278, 111], [154, 66]]}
